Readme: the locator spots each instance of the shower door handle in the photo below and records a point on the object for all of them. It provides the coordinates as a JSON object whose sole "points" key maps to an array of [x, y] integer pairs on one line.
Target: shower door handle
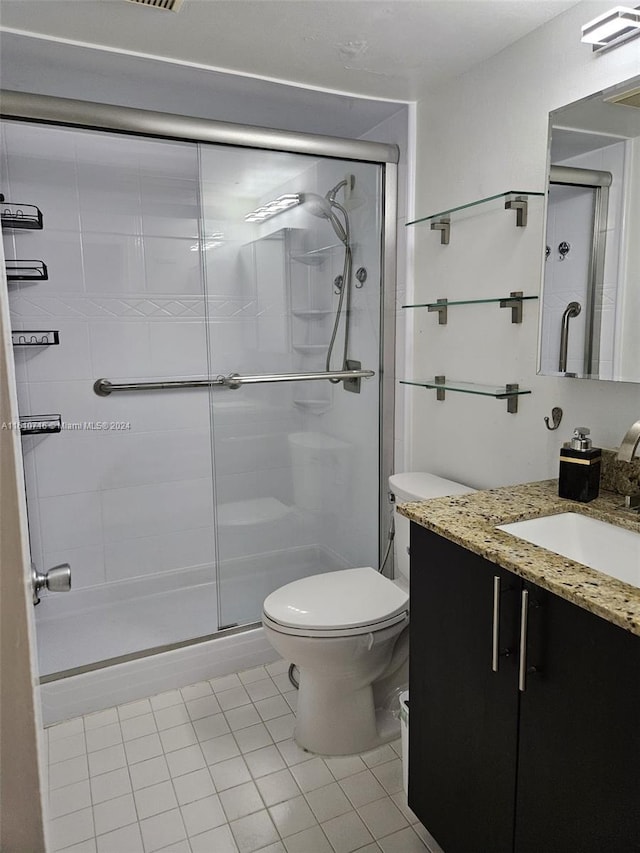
{"points": [[104, 387], [57, 579]]}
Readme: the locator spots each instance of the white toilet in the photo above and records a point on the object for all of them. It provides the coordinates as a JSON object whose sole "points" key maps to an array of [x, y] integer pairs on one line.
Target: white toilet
{"points": [[347, 632]]}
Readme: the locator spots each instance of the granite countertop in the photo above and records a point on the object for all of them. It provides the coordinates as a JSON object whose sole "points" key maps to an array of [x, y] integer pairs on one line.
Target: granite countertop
{"points": [[470, 520]]}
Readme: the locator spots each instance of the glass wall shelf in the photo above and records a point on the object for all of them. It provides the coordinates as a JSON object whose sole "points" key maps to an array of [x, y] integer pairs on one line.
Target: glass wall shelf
{"points": [[451, 302], [511, 200], [492, 202], [509, 392], [513, 301]]}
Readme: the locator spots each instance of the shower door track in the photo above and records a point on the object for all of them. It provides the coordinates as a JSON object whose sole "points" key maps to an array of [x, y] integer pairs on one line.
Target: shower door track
{"points": [[145, 653], [96, 116], [22, 106]]}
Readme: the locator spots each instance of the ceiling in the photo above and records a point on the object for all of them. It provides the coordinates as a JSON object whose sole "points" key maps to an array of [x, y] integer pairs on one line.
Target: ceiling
{"points": [[395, 49]]}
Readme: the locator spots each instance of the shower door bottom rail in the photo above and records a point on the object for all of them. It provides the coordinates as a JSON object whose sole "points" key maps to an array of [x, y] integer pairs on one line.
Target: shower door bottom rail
{"points": [[104, 387]]}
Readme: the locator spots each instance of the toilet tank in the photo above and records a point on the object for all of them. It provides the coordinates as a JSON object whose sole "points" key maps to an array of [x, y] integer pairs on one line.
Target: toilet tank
{"points": [[416, 486]]}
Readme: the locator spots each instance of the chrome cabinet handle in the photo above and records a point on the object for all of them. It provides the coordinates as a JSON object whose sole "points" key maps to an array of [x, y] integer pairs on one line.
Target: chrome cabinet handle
{"points": [[496, 624], [524, 617]]}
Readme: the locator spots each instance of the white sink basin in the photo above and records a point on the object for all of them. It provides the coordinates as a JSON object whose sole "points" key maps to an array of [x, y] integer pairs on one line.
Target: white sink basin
{"points": [[605, 547]]}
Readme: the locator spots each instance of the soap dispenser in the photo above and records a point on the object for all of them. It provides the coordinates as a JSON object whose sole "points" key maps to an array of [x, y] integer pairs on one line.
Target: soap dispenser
{"points": [[579, 468]]}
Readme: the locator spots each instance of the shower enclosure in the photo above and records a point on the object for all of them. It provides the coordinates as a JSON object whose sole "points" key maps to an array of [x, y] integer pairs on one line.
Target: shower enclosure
{"points": [[202, 445]]}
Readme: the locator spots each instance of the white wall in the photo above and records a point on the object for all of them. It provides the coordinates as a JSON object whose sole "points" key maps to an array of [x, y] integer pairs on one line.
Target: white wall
{"points": [[482, 134], [41, 65]]}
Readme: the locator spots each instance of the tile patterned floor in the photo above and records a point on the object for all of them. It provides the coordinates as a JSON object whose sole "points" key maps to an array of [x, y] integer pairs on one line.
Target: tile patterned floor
{"points": [[212, 768]]}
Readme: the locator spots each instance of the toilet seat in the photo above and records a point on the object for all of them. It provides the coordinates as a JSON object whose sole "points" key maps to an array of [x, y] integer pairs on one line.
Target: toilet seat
{"points": [[336, 604]]}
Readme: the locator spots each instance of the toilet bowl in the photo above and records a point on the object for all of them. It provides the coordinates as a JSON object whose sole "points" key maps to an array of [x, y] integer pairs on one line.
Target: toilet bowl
{"points": [[347, 632], [341, 629]]}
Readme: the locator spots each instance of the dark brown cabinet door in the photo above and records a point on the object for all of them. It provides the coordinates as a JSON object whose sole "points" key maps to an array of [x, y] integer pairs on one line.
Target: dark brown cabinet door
{"points": [[463, 715], [578, 786]]}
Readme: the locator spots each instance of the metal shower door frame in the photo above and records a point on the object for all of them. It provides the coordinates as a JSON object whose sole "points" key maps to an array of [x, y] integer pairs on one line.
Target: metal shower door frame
{"points": [[598, 182], [69, 112]]}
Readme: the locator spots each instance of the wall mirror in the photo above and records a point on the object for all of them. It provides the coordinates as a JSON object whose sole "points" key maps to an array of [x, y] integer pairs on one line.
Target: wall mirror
{"points": [[590, 316]]}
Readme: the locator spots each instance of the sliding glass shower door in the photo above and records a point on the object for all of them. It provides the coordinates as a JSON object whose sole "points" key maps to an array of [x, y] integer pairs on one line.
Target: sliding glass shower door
{"points": [[122, 492], [296, 467], [180, 500]]}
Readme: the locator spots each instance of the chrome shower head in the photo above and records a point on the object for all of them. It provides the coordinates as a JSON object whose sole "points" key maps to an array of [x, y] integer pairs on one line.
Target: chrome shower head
{"points": [[323, 208], [316, 204]]}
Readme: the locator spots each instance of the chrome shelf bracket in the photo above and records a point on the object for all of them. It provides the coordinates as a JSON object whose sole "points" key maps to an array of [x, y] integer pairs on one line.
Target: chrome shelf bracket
{"points": [[515, 303], [521, 206], [441, 308], [444, 227], [512, 398]]}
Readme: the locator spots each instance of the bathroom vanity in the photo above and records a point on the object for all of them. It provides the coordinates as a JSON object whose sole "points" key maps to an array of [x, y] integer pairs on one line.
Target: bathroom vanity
{"points": [[524, 682]]}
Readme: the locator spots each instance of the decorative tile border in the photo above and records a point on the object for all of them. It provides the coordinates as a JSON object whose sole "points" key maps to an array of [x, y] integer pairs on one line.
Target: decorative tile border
{"points": [[97, 308]]}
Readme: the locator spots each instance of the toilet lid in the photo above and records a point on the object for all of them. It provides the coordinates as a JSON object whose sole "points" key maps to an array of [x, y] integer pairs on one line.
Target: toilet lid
{"points": [[348, 598]]}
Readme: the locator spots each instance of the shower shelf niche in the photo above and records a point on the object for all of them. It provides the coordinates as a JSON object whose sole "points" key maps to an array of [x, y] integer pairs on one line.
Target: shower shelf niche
{"points": [[26, 270], [317, 406], [40, 424], [21, 216], [513, 301], [312, 314], [440, 384], [310, 349], [517, 200], [317, 257], [35, 338]]}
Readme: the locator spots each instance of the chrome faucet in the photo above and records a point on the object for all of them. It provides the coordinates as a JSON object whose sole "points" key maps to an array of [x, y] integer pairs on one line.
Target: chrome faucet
{"points": [[626, 453], [629, 443]]}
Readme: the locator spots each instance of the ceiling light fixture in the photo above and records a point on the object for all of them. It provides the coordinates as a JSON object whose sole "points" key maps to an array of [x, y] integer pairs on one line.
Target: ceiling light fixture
{"points": [[272, 208], [615, 27], [211, 241]]}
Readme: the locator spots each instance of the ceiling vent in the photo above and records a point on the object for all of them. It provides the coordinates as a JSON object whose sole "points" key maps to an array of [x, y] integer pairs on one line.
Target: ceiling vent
{"points": [[627, 99], [167, 5]]}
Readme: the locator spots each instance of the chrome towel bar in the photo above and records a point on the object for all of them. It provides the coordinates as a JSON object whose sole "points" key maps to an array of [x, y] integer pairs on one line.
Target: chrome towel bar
{"points": [[103, 387]]}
